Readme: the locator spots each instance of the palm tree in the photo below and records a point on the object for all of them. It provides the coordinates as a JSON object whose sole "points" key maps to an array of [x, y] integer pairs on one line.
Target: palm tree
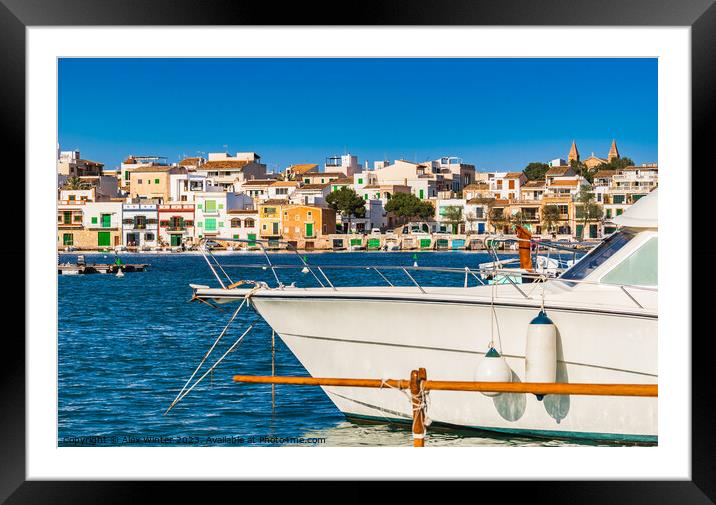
{"points": [[550, 216], [76, 183], [589, 208]]}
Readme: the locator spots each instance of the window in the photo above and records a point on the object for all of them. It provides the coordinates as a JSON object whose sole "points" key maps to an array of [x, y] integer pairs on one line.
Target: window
{"points": [[210, 206], [149, 236], [77, 218], [72, 197], [511, 184], [156, 181], [139, 181], [236, 223], [210, 224], [618, 199], [639, 269], [597, 256], [67, 239], [94, 220], [249, 223], [360, 181]]}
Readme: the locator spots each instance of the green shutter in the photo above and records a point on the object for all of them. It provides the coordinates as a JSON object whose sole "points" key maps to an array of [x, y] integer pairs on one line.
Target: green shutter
{"points": [[425, 242], [360, 181], [103, 238], [210, 224], [67, 239], [251, 236], [422, 194], [106, 220], [210, 206], [309, 229], [94, 220], [156, 181]]}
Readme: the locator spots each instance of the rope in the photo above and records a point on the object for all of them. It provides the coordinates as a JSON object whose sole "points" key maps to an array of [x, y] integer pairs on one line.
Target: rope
{"points": [[184, 391]]}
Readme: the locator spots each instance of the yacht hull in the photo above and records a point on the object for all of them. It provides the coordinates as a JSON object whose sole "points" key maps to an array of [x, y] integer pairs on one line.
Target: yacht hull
{"points": [[364, 336]]}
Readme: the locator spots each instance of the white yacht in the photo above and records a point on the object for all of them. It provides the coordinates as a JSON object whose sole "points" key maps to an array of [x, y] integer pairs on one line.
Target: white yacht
{"points": [[604, 309]]}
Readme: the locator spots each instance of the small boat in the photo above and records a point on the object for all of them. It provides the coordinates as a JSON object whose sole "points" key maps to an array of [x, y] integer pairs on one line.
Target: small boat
{"points": [[119, 273]]}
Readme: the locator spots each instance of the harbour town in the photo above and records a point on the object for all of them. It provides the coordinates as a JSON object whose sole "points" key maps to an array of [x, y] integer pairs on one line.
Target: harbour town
{"points": [[148, 204], [367, 261]]}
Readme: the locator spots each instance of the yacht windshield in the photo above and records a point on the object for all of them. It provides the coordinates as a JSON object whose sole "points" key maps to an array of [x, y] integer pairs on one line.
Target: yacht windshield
{"points": [[597, 256]]}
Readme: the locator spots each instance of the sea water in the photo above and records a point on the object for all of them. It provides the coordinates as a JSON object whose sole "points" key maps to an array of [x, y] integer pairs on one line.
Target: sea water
{"points": [[127, 345]]}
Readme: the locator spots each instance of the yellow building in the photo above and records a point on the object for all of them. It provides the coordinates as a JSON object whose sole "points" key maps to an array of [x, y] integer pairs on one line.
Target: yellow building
{"points": [[152, 182], [270, 212]]}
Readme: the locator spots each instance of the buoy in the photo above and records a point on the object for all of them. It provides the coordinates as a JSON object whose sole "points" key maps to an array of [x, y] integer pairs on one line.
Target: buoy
{"points": [[120, 273], [541, 350], [493, 368], [305, 270]]}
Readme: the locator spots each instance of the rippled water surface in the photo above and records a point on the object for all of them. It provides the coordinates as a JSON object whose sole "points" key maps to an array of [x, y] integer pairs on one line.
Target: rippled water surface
{"points": [[127, 345]]}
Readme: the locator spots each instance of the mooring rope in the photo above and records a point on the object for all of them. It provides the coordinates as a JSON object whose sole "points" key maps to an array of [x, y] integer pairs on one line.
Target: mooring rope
{"points": [[180, 396]]}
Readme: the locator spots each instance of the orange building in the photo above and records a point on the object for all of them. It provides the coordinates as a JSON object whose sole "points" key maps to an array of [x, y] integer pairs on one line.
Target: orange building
{"points": [[306, 222]]}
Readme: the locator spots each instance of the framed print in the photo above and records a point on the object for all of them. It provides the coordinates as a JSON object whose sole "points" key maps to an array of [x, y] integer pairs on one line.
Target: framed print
{"points": [[313, 245]]}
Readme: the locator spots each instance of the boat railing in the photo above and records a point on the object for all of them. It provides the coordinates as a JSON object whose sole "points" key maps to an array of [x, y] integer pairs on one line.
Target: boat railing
{"points": [[482, 276]]}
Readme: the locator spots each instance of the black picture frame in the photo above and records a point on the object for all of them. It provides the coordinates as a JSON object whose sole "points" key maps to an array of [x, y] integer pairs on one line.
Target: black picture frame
{"points": [[700, 15]]}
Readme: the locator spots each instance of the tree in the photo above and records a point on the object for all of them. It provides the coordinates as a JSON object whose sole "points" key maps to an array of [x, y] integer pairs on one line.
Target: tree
{"points": [[453, 216], [550, 216], [76, 183], [407, 205], [588, 209], [347, 202], [497, 218], [517, 219], [535, 171], [581, 169]]}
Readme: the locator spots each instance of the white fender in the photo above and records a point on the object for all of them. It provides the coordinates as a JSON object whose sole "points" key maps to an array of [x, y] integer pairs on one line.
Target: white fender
{"points": [[541, 350], [493, 368]]}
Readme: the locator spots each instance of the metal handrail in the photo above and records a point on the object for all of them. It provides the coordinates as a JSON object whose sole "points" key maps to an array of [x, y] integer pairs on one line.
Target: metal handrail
{"points": [[537, 277]]}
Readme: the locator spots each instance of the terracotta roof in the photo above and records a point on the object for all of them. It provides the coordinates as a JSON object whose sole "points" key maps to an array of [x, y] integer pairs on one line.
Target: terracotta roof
{"points": [[90, 162], [639, 168], [513, 175], [286, 184], [604, 173], [501, 201], [259, 182], [343, 180], [150, 169], [302, 167], [324, 174], [565, 183], [273, 202], [242, 211], [474, 201], [313, 186], [224, 164], [189, 161], [558, 170], [533, 184], [371, 186]]}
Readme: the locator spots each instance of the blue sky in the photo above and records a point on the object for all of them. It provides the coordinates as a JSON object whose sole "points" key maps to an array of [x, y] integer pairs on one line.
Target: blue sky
{"points": [[499, 114]]}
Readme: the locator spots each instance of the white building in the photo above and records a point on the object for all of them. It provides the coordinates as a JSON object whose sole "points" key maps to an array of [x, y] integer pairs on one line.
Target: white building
{"points": [[211, 212], [140, 225], [346, 164]]}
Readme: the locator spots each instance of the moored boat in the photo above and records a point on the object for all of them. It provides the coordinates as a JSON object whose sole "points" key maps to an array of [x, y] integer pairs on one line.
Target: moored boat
{"points": [[603, 308]]}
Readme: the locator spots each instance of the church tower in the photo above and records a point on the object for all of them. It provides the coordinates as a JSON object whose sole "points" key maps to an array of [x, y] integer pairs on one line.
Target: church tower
{"points": [[613, 151], [573, 153]]}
